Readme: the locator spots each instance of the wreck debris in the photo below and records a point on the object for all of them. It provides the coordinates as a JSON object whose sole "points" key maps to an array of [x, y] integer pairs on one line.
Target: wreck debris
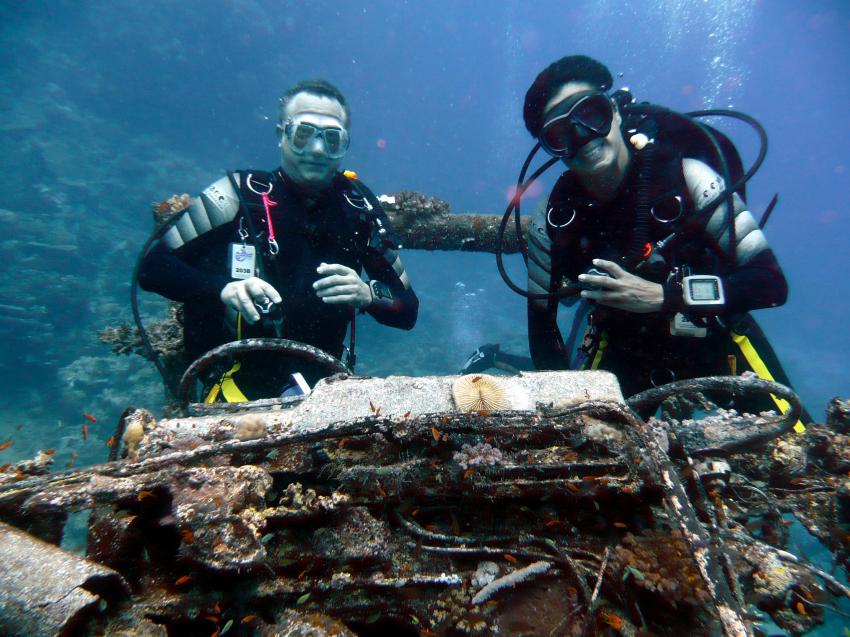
{"points": [[44, 590], [345, 512]]}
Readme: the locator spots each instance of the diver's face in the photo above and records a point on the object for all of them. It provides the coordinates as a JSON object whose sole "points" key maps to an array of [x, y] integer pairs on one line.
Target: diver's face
{"points": [[599, 154], [310, 165]]}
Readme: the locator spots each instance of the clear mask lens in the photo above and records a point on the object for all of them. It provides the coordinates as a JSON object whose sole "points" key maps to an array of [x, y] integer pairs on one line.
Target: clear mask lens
{"points": [[576, 122], [302, 134]]}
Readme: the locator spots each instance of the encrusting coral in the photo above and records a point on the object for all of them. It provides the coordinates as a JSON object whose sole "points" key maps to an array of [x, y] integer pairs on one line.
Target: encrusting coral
{"points": [[661, 562], [480, 392]]}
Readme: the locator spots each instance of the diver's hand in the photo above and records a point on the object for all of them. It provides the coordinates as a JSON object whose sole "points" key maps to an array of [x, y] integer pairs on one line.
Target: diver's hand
{"points": [[341, 284], [621, 290], [241, 296]]}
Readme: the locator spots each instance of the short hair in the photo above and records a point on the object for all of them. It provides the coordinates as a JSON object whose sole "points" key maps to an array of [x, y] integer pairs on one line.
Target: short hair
{"points": [[572, 68], [322, 88]]}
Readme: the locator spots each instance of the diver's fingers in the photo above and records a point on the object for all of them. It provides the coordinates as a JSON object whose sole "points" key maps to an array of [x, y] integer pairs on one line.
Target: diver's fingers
{"points": [[261, 290], [598, 280], [335, 268], [335, 279], [245, 304], [337, 290], [610, 267], [341, 299]]}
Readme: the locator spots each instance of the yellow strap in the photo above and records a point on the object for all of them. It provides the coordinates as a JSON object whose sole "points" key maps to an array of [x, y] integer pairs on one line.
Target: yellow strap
{"points": [[228, 388], [762, 372], [603, 343], [239, 326]]}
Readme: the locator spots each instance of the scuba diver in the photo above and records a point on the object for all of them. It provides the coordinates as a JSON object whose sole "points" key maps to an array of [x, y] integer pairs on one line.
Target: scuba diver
{"points": [[280, 254], [649, 227]]}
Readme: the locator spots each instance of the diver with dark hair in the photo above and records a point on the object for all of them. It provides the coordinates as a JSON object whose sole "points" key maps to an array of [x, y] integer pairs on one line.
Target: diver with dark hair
{"points": [[280, 254], [658, 238]]}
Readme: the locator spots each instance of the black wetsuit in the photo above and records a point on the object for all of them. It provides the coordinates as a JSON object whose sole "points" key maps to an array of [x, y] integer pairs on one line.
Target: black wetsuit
{"points": [[639, 348], [191, 264]]}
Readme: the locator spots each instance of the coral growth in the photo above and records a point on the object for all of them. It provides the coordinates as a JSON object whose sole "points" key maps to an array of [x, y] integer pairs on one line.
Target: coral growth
{"points": [[660, 562], [481, 454], [477, 392], [414, 204]]}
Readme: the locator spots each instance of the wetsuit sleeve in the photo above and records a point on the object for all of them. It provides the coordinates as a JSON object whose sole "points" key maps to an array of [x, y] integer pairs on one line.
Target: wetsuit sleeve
{"points": [[755, 280], [383, 265], [169, 268], [544, 337]]}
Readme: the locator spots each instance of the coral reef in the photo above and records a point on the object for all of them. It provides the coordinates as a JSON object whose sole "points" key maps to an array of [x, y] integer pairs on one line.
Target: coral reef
{"points": [[660, 561]]}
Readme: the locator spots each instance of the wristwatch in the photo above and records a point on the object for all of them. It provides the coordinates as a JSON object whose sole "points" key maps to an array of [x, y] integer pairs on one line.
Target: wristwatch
{"points": [[380, 291], [702, 290]]}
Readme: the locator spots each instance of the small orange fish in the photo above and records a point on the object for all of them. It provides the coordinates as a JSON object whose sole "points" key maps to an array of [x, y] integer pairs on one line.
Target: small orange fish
{"points": [[74, 454], [620, 525], [111, 441], [185, 579], [218, 542], [49, 452], [468, 473], [248, 619], [187, 535], [573, 487], [612, 620], [382, 492], [69, 464], [800, 608], [217, 632], [217, 501], [303, 573], [414, 512], [217, 608], [85, 431], [6, 444], [145, 495], [552, 523], [5, 466], [434, 433], [341, 443], [510, 558], [89, 417]]}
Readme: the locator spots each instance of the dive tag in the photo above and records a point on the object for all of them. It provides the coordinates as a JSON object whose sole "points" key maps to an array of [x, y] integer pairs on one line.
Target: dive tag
{"points": [[680, 325], [242, 257]]}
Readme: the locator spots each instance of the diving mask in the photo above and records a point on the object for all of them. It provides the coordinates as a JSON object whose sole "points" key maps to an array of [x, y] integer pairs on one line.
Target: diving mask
{"points": [[302, 134], [576, 121]]}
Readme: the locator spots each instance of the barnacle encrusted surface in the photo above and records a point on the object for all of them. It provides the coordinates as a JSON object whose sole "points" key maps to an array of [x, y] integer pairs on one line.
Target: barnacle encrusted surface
{"points": [[477, 392]]}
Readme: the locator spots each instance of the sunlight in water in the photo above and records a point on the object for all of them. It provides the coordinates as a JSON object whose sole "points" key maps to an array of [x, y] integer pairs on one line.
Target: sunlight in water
{"points": [[717, 30]]}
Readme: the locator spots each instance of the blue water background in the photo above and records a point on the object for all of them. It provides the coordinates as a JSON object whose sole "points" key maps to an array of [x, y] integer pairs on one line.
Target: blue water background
{"points": [[108, 106]]}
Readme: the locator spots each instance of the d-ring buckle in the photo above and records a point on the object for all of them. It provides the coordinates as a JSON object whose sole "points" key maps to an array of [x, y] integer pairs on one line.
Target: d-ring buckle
{"points": [[366, 205], [655, 370], [555, 225], [273, 247], [249, 181], [675, 217]]}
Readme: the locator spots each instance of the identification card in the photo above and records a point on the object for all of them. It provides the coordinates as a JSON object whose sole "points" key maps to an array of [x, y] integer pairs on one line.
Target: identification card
{"points": [[243, 260]]}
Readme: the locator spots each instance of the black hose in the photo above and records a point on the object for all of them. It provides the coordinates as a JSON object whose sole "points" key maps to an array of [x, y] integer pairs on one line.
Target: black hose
{"points": [[573, 289], [153, 355]]}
